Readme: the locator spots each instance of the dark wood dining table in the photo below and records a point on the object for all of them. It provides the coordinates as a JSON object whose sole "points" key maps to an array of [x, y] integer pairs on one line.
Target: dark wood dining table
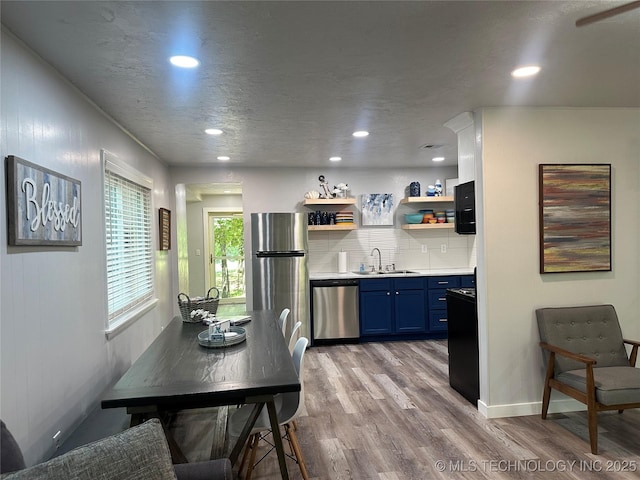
{"points": [[177, 373]]}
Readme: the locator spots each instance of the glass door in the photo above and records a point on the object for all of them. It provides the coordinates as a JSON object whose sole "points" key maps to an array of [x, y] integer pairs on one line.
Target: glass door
{"points": [[226, 262]]}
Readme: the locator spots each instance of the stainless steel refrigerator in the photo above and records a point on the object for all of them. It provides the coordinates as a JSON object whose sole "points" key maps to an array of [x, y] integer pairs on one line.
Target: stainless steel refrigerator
{"points": [[279, 263]]}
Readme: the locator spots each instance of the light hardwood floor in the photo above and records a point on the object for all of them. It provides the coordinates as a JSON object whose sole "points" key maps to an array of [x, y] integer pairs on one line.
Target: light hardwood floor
{"points": [[386, 411]]}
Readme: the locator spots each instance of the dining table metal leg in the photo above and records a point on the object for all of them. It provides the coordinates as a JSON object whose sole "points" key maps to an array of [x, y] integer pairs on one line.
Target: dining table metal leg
{"points": [[246, 430], [277, 438], [142, 414]]}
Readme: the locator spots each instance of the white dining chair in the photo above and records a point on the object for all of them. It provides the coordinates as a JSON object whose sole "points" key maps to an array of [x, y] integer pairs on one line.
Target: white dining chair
{"points": [[288, 407], [295, 335], [282, 321]]}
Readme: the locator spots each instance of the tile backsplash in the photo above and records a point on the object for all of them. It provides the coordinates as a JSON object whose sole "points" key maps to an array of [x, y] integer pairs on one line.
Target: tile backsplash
{"points": [[407, 249]]}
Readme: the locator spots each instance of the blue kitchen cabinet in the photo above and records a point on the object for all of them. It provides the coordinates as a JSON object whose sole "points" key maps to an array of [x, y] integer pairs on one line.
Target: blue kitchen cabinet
{"points": [[437, 298], [467, 281], [375, 312], [437, 295], [392, 306]]}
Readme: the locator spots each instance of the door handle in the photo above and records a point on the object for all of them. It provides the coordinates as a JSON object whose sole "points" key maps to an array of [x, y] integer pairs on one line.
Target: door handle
{"points": [[211, 258]]}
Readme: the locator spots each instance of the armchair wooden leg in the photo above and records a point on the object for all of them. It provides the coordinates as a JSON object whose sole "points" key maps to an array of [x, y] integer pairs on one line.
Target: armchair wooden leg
{"points": [[593, 429], [546, 394], [592, 410]]}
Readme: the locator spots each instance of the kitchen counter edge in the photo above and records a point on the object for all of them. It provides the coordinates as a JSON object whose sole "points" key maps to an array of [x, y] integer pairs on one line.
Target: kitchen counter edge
{"points": [[414, 273]]}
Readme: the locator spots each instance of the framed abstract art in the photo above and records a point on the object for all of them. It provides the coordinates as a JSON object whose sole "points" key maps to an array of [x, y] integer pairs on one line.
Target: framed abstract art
{"points": [[575, 217]]}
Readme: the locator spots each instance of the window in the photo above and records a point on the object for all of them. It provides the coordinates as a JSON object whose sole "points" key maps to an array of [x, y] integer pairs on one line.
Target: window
{"points": [[129, 248]]}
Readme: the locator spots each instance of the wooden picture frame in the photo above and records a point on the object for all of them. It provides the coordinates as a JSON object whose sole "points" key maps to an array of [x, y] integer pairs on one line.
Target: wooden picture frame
{"points": [[575, 218], [43, 206], [164, 229]]}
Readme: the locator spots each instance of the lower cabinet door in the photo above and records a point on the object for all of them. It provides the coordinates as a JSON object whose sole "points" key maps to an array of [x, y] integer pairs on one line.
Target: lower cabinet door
{"points": [[375, 313], [410, 311]]}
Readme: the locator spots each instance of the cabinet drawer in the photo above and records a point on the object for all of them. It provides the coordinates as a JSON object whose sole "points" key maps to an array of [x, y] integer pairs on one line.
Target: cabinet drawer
{"points": [[438, 299], [467, 281], [437, 320], [375, 284], [413, 283], [444, 282]]}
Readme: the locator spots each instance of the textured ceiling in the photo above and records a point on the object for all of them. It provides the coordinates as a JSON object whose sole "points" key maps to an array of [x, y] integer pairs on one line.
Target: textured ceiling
{"points": [[288, 82]]}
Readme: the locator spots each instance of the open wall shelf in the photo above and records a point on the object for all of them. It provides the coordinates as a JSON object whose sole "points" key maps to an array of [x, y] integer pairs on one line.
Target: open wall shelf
{"points": [[329, 201], [426, 199]]}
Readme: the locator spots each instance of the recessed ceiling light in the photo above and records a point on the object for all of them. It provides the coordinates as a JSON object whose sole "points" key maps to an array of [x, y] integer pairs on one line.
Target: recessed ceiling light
{"points": [[184, 61], [335, 159], [213, 131], [227, 191], [223, 158], [360, 134], [525, 71], [437, 159]]}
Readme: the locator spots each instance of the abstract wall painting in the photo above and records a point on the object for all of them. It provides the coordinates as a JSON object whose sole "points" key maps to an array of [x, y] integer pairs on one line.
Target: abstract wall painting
{"points": [[575, 218], [377, 209]]}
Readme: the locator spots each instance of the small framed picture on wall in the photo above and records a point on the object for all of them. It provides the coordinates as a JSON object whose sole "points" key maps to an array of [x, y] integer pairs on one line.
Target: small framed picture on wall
{"points": [[165, 229]]}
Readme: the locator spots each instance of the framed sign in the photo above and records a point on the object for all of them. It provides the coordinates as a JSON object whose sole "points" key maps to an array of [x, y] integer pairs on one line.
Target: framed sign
{"points": [[43, 206], [164, 228], [575, 218]]}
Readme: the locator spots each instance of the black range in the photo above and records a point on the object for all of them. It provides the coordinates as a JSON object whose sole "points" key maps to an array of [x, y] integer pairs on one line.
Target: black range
{"points": [[463, 343]]}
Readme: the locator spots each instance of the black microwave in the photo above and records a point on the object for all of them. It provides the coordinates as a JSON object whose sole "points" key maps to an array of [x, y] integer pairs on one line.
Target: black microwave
{"points": [[465, 207]]}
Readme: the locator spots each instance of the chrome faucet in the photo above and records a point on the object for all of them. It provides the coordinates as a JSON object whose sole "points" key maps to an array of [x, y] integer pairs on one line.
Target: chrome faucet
{"points": [[379, 258]]}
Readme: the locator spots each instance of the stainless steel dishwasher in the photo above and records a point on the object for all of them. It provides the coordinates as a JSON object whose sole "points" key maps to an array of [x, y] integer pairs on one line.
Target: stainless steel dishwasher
{"points": [[335, 310]]}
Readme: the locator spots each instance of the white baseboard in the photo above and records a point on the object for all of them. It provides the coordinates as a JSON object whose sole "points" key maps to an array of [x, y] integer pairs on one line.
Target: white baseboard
{"points": [[531, 408]]}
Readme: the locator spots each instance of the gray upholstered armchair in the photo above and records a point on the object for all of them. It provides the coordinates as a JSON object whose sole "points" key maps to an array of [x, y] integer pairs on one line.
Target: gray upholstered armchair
{"points": [[138, 453], [588, 361]]}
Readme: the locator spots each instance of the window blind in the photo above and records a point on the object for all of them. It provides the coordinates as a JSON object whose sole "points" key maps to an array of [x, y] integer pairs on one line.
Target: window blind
{"points": [[129, 245]]}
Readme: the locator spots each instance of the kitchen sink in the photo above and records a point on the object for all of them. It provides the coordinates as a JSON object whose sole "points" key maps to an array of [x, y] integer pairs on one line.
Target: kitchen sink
{"points": [[384, 272]]}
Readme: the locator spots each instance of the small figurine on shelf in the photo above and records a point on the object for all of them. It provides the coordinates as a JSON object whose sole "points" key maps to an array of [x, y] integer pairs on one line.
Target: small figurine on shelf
{"points": [[341, 190], [438, 188], [325, 186]]}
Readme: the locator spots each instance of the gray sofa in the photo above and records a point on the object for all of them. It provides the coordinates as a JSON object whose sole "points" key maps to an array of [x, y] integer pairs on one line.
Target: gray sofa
{"points": [[138, 453]]}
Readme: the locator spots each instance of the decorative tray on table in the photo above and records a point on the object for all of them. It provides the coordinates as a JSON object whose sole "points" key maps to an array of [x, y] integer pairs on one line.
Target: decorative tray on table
{"points": [[233, 336]]}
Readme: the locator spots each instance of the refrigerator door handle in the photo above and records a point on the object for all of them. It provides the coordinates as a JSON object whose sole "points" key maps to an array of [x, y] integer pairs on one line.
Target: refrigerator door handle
{"points": [[296, 253]]}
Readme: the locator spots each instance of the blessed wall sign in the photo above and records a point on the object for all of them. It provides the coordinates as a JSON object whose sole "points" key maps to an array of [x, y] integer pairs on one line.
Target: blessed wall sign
{"points": [[43, 207]]}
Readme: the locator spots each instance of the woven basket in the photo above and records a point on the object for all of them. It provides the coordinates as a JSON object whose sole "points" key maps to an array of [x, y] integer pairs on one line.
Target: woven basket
{"points": [[186, 305]]}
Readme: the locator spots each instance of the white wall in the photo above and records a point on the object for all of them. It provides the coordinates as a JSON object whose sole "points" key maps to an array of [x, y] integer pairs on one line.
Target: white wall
{"points": [[283, 189], [55, 359], [514, 142]]}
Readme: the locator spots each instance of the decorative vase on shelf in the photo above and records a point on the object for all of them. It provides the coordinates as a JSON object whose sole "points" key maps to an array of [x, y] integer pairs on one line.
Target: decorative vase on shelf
{"points": [[414, 189]]}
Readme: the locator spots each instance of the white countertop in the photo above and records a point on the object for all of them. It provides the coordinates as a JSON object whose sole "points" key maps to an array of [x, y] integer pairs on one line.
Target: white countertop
{"points": [[414, 273]]}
